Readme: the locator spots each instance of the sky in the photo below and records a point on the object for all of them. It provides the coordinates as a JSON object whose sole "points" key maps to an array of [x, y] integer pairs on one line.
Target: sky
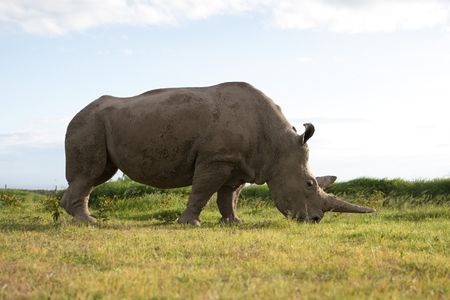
{"points": [[372, 76]]}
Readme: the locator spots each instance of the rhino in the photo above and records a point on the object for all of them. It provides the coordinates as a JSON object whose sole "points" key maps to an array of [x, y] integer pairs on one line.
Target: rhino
{"points": [[215, 138]]}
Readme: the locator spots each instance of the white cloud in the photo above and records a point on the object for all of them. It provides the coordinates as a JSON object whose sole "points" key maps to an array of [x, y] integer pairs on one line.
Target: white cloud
{"points": [[362, 16], [59, 17], [39, 133], [62, 16]]}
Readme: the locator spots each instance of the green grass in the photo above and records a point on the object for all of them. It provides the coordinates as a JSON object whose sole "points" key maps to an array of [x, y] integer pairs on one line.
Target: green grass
{"points": [[140, 252]]}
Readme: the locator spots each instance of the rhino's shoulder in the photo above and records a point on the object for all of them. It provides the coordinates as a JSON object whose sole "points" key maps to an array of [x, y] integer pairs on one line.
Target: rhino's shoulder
{"points": [[240, 84], [246, 92], [236, 85], [154, 92]]}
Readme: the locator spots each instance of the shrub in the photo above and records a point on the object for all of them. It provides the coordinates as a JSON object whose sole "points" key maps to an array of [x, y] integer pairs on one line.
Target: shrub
{"points": [[51, 205], [9, 198], [392, 187]]}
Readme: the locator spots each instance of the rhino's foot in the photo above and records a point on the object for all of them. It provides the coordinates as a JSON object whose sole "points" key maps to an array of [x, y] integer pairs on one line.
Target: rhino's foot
{"points": [[189, 220], [84, 219], [230, 220]]}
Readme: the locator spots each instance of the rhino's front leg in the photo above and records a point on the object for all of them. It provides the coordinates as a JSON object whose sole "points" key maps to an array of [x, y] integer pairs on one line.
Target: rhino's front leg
{"points": [[227, 198], [208, 178]]}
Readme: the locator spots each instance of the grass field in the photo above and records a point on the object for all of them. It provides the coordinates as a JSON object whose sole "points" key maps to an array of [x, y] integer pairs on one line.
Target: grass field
{"points": [[138, 251]]}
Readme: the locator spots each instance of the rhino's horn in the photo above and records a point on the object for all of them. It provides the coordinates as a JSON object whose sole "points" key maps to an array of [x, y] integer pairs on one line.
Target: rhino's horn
{"points": [[335, 204]]}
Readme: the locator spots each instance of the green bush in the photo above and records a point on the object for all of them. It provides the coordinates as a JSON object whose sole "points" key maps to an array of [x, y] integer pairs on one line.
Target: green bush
{"points": [[125, 188], [256, 191], [392, 187]]}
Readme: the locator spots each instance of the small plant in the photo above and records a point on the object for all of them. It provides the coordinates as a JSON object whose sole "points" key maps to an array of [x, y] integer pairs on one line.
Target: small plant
{"points": [[258, 206], [51, 205], [9, 199], [376, 198], [105, 206]]}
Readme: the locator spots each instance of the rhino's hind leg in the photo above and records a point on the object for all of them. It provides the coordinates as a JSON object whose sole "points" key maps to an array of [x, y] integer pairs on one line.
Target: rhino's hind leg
{"points": [[75, 200], [227, 198], [208, 178], [87, 165]]}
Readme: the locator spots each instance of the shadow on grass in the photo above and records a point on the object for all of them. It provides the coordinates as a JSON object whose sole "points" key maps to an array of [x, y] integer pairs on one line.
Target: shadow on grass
{"points": [[10, 226], [166, 216], [168, 219], [134, 220], [170, 216], [162, 221]]}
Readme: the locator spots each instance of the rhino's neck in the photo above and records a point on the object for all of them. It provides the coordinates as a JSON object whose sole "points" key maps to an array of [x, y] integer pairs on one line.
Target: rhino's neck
{"points": [[267, 131], [273, 145]]}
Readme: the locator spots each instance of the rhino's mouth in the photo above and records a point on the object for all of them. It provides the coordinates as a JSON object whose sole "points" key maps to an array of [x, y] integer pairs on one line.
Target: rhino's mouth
{"points": [[310, 219], [314, 218]]}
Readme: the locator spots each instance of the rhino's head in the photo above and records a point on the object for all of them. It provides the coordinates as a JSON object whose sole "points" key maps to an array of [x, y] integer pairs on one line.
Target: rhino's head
{"points": [[296, 192]]}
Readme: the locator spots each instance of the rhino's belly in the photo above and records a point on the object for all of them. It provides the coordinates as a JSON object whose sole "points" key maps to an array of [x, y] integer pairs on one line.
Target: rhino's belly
{"points": [[163, 179], [160, 161], [151, 144], [156, 168]]}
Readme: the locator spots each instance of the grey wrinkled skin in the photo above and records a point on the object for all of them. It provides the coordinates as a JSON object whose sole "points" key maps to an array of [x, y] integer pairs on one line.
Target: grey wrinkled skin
{"points": [[214, 138]]}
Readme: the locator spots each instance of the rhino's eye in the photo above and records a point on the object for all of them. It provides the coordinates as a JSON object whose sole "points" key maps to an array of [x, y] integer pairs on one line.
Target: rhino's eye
{"points": [[309, 183]]}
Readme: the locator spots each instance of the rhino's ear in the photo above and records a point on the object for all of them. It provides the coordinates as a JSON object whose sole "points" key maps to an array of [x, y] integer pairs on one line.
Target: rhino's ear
{"points": [[309, 131], [325, 181]]}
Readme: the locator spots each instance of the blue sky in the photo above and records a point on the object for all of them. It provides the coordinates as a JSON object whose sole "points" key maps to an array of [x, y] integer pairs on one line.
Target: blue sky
{"points": [[372, 76]]}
